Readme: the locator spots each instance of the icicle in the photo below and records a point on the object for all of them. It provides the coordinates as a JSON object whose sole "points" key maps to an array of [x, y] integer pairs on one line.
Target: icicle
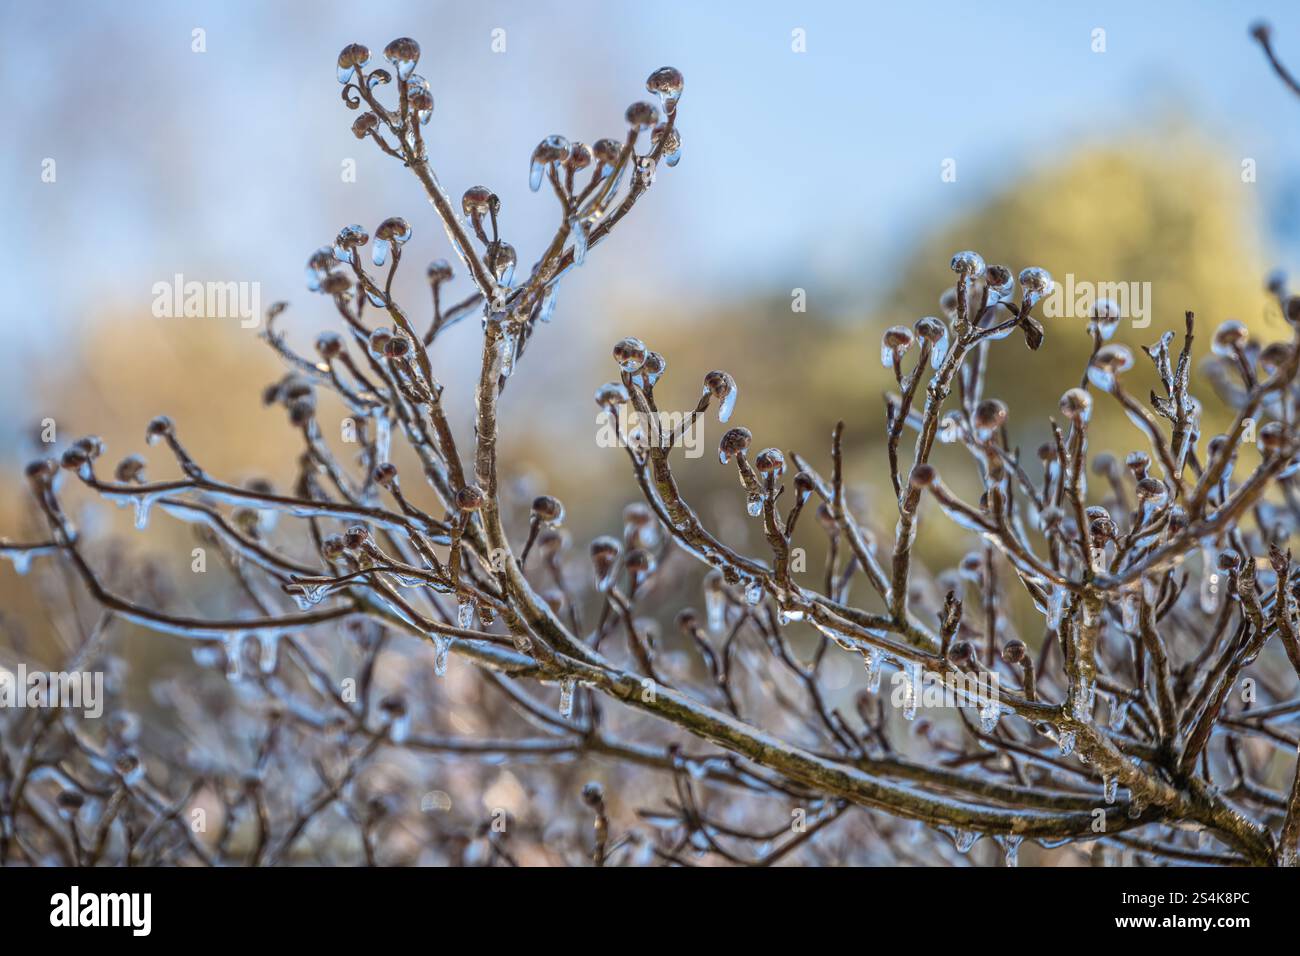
{"points": [[234, 646], [1210, 579], [715, 607], [579, 233], [1011, 847], [912, 692], [1129, 607], [566, 698], [963, 840], [1118, 714], [400, 729], [268, 652], [875, 668], [143, 504], [753, 593], [465, 613], [1109, 787], [441, 646], [22, 560]]}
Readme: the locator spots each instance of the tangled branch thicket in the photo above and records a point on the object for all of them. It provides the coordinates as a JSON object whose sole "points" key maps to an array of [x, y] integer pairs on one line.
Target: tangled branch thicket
{"points": [[1121, 725]]}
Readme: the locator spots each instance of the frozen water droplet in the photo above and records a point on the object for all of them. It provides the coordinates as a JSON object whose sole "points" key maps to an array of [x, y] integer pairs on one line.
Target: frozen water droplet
{"points": [[728, 404], [535, 170], [753, 593], [989, 714], [547, 308], [379, 251], [143, 504], [963, 840], [1110, 787], [566, 698], [441, 647], [465, 613], [754, 504], [1011, 848], [939, 350], [21, 560]]}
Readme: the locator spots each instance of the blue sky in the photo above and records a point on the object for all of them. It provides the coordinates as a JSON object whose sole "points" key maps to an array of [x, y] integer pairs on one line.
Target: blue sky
{"points": [[798, 168]]}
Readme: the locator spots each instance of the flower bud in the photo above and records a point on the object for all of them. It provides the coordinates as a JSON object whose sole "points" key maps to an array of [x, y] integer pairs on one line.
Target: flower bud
{"points": [[1076, 405], [404, 54], [770, 461], [667, 83], [130, 469], [477, 201], [642, 116], [385, 474], [1229, 337], [630, 353], [896, 340], [1014, 651], [438, 272], [961, 653], [329, 345], [353, 55], [548, 510], [611, 395], [735, 441], [158, 429], [365, 124], [923, 475], [968, 264], [470, 498], [1035, 281]]}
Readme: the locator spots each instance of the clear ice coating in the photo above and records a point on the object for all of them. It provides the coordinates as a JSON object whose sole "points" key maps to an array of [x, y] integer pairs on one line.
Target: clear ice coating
{"points": [[912, 690], [874, 663], [234, 647], [989, 714], [579, 233], [962, 840], [465, 613], [441, 647], [939, 349], [1011, 848], [1210, 579], [1066, 742], [566, 698]]}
